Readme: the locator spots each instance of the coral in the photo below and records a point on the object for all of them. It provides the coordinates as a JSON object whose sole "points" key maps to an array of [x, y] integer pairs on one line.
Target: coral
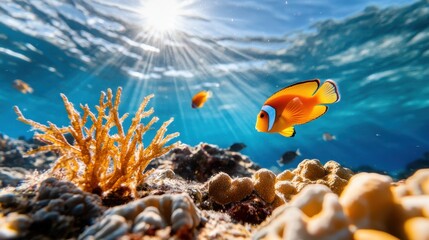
{"points": [[98, 161], [223, 189], [418, 183], [264, 181], [367, 234], [286, 175], [315, 213], [311, 171], [411, 209], [368, 200], [203, 161], [146, 216], [417, 228]]}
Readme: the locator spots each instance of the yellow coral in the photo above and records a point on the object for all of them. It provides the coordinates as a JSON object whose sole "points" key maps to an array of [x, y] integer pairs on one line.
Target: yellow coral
{"points": [[97, 160], [264, 181], [223, 189]]}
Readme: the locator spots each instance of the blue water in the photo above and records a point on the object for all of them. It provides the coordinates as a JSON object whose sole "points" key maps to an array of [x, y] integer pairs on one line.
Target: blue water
{"points": [[377, 52]]}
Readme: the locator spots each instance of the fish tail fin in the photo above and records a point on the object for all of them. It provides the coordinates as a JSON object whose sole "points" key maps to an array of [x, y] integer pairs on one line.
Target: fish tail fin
{"points": [[328, 93], [298, 152], [209, 94]]}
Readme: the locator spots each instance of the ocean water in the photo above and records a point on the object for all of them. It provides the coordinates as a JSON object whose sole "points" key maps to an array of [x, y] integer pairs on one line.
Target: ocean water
{"points": [[377, 52]]}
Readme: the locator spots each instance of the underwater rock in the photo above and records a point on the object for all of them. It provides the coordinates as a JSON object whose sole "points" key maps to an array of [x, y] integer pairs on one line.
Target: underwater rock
{"points": [[146, 216], [203, 161], [57, 204], [223, 189], [314, 213], [12, 176], [12, 154], [14, 225], [251, 210], [219, 225]]}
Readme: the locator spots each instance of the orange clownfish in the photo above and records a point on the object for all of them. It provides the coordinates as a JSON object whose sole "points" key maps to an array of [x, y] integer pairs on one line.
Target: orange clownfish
{"points": [[200, 98], [22, 86], [296, 104]]}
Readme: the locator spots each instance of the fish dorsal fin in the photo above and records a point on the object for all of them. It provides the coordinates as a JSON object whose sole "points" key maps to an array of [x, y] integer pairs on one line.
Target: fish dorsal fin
{"points": [[306, 89], [288, 132], [293, 112], [317, 111]]}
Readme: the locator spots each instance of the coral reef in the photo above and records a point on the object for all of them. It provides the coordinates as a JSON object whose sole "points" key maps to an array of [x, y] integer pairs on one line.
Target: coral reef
{"points": [[146, 216], [203, 161], [97, 161], [370, 207], [313, 201]]}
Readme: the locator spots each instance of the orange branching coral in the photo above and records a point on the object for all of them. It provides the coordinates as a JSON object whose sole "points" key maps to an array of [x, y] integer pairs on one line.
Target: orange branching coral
{"points": [[97, 160]]}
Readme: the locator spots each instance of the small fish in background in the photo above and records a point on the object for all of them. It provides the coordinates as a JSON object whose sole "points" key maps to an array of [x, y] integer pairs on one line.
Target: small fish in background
{"points": [[296, 104], [236, 147], [327, 137], [22, 86], [288, 157], [200, 98]]}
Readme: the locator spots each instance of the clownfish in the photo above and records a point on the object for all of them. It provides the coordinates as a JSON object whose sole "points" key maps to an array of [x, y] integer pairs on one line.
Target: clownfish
{"points": [[22, 86], [296, 104], [200, 98]]}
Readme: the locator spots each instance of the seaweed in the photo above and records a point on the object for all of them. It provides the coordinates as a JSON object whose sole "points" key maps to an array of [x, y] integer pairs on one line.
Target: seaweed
{"points": [[98, 161]]}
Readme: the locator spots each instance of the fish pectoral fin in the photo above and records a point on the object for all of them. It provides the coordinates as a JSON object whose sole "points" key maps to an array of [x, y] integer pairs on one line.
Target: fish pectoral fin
{"points": [[317, 112], [294, 111], [288, 132], [306, 88]]}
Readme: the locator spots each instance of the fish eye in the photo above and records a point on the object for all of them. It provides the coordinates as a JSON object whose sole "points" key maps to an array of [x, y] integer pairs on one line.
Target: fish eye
{"points": [[262, 115]]}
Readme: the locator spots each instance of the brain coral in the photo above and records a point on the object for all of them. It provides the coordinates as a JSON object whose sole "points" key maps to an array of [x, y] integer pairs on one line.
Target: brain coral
{"points": [[145, 216], [312, 171], [368, 200], [315, 213], [370, 207], [223, 189], [264, 182]]}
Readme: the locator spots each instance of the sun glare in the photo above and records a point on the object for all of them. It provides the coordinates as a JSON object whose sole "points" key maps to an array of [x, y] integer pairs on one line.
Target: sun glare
{"points": [[161, 15]]}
